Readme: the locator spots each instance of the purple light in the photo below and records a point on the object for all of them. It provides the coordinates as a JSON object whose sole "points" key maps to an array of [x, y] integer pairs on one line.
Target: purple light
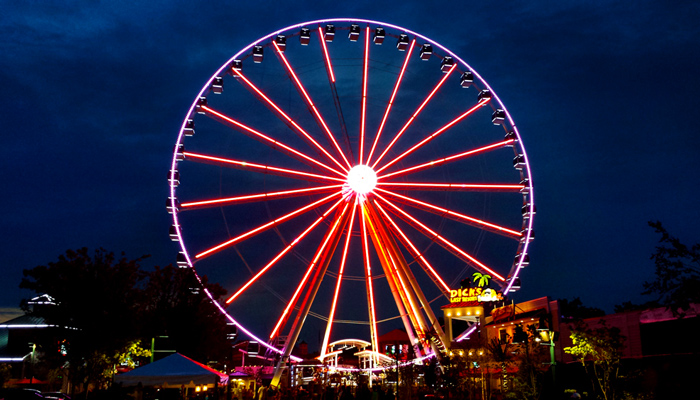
{"points": [[467, 333]]}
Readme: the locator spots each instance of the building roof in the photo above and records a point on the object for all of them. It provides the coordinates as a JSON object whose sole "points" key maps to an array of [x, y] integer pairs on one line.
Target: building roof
{"points": [[24, 321], [397, 335]]}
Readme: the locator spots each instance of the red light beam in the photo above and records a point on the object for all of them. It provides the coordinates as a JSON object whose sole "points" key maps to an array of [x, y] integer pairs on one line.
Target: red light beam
{"points": [[441, 240], [284, 116], [445, 160], [415, 114], [363, 116], [391, 100], [417, 254], [341, 269], [326, 55], [283, 252], [314, 263], [453, 215], [259, 167], [258, 197], [275, 143], [311, 104], [434, 134], [266, 226], [474, 187]]}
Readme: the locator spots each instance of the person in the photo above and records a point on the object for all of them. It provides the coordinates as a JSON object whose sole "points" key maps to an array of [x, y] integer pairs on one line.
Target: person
{"points": [[375, 392], [262, 393], [238, 392]]}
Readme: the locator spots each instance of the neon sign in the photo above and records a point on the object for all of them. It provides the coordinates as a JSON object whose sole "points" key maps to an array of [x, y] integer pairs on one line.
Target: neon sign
{"points": [[478, 294]]}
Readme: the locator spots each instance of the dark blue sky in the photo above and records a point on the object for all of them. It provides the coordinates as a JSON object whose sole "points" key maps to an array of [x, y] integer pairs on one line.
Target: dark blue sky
{"points": [[605, 97]]}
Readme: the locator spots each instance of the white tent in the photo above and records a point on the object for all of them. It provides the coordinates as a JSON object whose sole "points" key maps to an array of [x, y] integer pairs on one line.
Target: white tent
{"points": [[174, 370]]}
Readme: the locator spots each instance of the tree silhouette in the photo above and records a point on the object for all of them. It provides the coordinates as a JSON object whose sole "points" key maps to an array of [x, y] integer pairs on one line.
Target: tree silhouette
{"points": [[677, 282]]}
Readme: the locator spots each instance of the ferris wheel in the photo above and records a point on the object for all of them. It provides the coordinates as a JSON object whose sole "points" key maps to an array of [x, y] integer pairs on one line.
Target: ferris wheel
{"points": [[348, 173]]}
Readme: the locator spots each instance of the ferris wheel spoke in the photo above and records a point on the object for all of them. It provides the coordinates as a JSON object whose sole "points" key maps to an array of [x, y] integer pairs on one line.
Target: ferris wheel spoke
{"points": [[318, 261], [368, 282], [434, 134], [409, 51], [448, 159], [339, 280], [399, 292], [446, 244], [227, 201], [433, 325], [283, 252], [285, 118], [266, 226], [429, 270], [267, 169], [363, 112], [317, 115], [415, 114], [454, 215], [459, 187], [334, 91], [273, 143]]}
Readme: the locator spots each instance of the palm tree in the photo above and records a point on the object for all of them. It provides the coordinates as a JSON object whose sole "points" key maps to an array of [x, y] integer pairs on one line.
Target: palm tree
{"points": [[482, 278]]}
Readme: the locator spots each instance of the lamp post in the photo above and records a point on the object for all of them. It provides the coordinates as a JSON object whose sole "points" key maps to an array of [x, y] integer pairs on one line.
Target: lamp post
{"points": [[546, 338]]}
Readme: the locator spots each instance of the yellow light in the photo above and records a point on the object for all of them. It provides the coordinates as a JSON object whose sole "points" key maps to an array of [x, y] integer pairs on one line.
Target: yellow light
{"points": [[469, 313], [458, 314], [197, 389], [470, 353], [478, 312], [204, 388], [449, 314], [461, 353]]}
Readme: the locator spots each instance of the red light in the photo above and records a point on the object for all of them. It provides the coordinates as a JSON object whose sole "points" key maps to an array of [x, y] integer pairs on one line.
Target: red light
{"points": [[368, 280], [364, 96], [391, 100], [266, 226], [435, 236], [452, 186], [415, 114], [326, 55], [273, 142], [416, 253], [435, 163], [283, 115], [341, 269], [457, 216], [436, 133], [319, 118], [260, 167], [283, 252], [313, 264], [261, 196]]}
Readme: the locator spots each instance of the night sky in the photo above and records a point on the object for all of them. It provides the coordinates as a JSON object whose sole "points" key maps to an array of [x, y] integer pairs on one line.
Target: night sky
{"points": [[604, 95]]}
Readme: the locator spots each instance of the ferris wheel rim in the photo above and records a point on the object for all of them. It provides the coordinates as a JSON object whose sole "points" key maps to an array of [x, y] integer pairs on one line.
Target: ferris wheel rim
{"points": [[516, 269]]}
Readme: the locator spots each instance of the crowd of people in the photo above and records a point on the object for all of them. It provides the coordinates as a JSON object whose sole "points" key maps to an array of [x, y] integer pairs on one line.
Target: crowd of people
{"points": [[313, 392]]}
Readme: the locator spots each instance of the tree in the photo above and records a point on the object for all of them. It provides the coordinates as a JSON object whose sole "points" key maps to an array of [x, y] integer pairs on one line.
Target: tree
{"points": [[111, 307], [599, 350], [192, 323], [501, 356], [574, 310], [97, 298], [677, 282], [532, 360]]}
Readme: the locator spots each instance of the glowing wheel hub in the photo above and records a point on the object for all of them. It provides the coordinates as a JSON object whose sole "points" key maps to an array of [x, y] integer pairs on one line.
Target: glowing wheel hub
{"points": [[361, 179]]}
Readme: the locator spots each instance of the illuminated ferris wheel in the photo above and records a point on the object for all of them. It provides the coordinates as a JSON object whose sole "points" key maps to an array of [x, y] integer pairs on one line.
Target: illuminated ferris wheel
{"points": [[348, 173]]}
